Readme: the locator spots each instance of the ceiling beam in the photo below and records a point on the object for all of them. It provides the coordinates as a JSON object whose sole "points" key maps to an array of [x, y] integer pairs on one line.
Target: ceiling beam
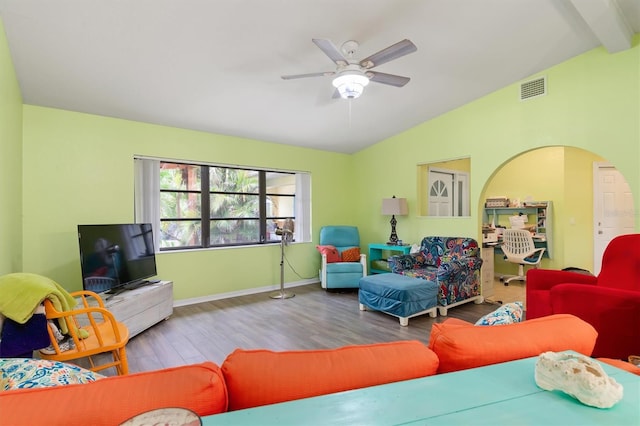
{"points": [[607, 23]]}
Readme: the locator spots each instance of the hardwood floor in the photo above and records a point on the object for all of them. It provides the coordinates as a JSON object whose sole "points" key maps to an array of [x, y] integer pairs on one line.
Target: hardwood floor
{"points": [[515, 291], [313, 319]]}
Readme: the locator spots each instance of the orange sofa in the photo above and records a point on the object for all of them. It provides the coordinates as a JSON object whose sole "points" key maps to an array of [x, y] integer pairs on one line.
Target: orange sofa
{"points": [[249, 378]]}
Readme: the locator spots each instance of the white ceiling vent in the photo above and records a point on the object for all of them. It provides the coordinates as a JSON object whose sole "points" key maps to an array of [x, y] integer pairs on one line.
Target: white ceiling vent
{"points": [[533, 88]]}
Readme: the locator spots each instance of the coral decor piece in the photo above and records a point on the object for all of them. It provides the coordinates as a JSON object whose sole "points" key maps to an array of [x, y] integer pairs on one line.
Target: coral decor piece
{"points": [[165, 416], [578, 376]]}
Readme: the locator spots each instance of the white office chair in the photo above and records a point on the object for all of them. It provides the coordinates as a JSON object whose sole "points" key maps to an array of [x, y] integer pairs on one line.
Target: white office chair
{"points": [[518, 247]]}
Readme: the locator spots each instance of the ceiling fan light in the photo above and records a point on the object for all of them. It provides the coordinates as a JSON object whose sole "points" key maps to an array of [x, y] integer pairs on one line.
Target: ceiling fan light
{"points": [[350, 91], [350, 85]]}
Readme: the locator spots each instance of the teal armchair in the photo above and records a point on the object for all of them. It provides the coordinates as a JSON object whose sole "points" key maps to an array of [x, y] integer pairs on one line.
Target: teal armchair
{"points": [[341, 274]]}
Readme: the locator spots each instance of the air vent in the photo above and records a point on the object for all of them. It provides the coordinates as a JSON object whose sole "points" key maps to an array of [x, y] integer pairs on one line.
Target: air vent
{"points": [[533, 88]]}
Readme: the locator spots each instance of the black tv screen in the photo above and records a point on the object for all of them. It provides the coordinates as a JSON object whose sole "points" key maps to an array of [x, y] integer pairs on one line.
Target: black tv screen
{"points": [[116, 256]]}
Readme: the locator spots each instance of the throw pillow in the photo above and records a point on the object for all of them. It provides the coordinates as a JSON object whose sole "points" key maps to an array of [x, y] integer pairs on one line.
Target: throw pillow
{"points": [[460, 344], [351, 255], [506, 314], [331, 252], [19, 373]]}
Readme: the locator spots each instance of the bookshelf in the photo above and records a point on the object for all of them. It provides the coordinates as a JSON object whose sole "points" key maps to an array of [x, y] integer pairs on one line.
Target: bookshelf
{"points": [[539, 214]]}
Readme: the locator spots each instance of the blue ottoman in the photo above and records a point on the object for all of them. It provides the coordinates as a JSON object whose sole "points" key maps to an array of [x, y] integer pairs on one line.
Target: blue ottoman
{"points": [[398, 295]]}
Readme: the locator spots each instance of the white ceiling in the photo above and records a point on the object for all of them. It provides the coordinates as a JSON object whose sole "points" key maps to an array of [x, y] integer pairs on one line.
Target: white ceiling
{"points": [[215, 65]]}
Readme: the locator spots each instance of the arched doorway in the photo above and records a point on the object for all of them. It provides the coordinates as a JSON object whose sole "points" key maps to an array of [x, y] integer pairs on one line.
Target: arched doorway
{"points": [[565, 176]]}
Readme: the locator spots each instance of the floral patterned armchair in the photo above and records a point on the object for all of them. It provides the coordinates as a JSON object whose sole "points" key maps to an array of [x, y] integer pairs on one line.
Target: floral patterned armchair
{"points": [[453, 263]]}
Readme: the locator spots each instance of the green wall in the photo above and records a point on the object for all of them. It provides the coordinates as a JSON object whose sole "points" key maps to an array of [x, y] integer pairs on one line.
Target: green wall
{"points": [[10, 163], [78, 168], [593, 103]]}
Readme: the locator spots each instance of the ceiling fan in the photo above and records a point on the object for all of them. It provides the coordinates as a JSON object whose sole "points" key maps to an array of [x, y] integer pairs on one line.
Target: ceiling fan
{"points": [[352, 75]]}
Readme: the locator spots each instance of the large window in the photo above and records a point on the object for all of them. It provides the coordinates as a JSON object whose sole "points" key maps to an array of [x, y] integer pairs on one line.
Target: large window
{"points": [[203, 205]]}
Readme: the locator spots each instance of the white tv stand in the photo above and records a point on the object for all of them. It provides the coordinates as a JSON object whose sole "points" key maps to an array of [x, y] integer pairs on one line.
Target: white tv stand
{"points": [[142, 307]]}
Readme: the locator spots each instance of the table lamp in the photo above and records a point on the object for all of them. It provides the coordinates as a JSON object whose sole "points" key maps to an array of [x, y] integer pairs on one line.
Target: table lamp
{"points": [[394, 206]]}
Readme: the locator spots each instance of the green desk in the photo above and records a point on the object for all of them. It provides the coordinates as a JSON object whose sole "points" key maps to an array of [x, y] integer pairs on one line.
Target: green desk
{"points": [[501, 394]]}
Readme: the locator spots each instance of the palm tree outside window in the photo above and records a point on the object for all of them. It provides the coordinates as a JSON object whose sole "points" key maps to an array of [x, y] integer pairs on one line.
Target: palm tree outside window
{"points": [[202, 206]]}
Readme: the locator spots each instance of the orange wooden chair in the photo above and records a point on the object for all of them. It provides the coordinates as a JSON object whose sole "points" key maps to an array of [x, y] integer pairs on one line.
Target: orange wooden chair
{"points": [[94, 331]]}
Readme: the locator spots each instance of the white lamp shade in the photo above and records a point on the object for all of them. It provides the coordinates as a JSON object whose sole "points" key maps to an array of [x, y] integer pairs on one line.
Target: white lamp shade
{"points": [[350, 85], [395, 206]]}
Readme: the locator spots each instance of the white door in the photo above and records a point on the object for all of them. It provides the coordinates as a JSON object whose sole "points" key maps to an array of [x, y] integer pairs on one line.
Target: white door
{"points": [[462, 202], [448, 193], [440, 193], [613, 211]]}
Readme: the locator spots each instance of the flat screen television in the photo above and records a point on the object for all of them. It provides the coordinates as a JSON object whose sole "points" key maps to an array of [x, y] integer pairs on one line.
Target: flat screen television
{"points": [[116, 257]]}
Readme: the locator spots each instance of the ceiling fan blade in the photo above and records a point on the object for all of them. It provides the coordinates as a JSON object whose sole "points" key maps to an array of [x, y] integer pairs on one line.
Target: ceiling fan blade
{"points": [[313, 74], [390, 79], [392, 52], [330, 50]]}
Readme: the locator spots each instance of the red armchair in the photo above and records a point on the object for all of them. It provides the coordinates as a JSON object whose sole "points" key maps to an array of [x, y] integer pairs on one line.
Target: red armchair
{"points": [[609, 302]]}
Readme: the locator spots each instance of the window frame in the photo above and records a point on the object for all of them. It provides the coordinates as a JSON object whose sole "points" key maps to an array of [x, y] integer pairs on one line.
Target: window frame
{"points": [[300, 201]]}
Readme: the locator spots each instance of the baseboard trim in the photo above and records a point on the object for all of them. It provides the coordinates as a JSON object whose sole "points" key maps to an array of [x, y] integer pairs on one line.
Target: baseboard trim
{"points": [[220, 296]]}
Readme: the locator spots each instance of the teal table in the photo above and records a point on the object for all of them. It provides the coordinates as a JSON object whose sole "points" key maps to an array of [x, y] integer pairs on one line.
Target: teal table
{"points": [[380, 252], [502, 394]]}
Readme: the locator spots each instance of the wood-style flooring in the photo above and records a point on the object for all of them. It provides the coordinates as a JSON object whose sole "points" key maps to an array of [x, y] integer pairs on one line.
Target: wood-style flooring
{"points": [[313, 319]]}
